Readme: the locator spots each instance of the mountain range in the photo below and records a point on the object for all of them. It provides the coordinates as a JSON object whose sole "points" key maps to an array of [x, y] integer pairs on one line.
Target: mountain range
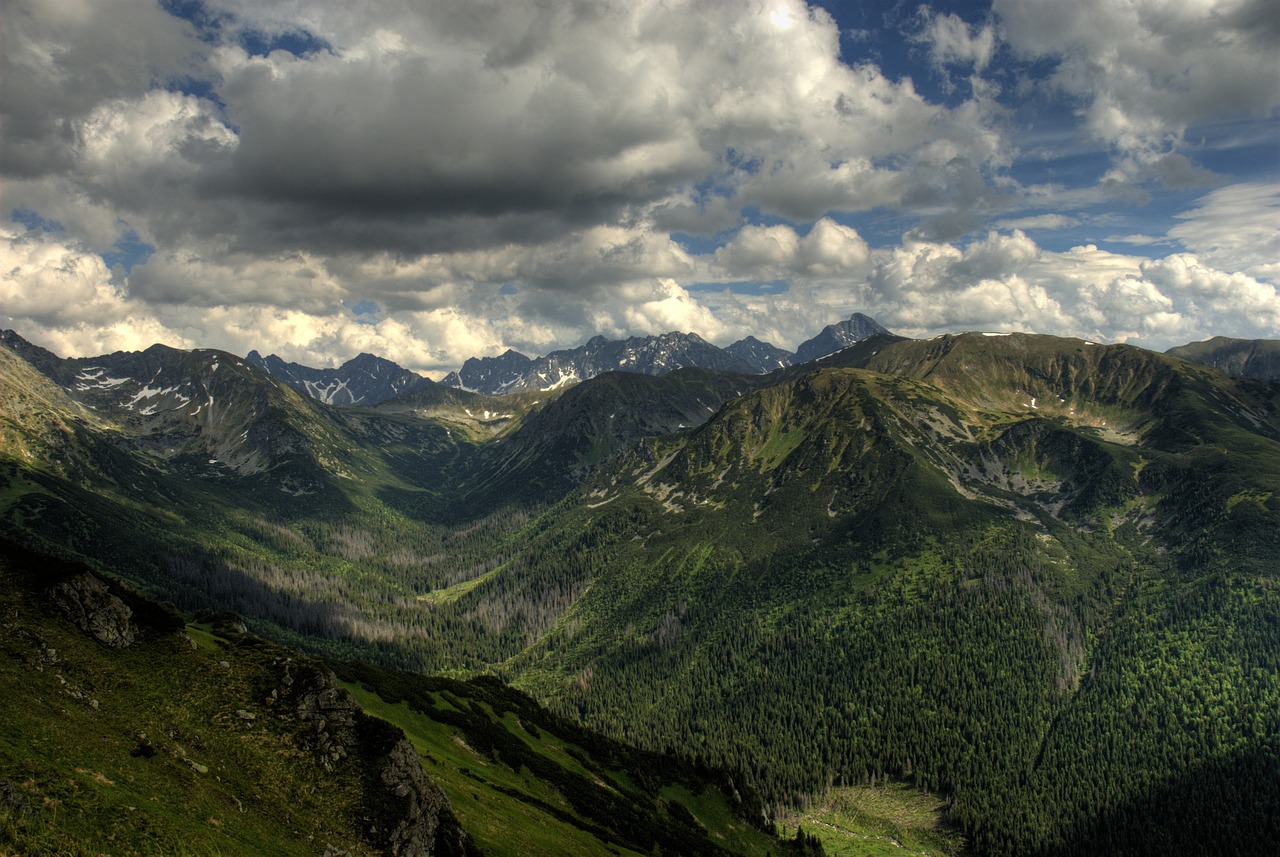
{"points": [[1245, 358], [1032, 575], [369, 380], [362, 380]]}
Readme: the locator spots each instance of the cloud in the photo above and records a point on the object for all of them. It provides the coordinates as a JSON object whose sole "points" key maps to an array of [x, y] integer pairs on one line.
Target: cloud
{"points": [[64, 297], [1007, 282], [1216, 298], [1236, 228], [62, 59], [474, 175], [1143, 73], [1037, 221], [762, 252], [434, 125], [953, 41]]}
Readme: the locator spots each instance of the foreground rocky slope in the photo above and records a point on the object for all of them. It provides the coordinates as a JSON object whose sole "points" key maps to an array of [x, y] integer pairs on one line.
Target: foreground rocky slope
{"points": [[125, 731]]}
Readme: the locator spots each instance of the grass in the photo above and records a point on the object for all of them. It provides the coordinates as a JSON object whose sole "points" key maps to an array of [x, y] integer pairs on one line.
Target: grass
{"points": [[128, 752], [877, 821], [508, 765], [481, 790], [709, 809], [450, 594]]}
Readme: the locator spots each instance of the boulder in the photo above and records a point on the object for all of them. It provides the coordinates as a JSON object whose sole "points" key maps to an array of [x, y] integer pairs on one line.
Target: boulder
{"points": [[90, 605]]}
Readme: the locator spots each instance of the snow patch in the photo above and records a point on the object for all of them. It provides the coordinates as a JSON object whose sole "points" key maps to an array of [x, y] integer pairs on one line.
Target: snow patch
{"points": [[150, 392], [92, 379]]}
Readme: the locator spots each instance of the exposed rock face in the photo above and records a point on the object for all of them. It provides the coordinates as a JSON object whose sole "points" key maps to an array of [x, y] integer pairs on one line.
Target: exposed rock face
{"points": [[424, 803], [362, 380], [649, 355], [417, 819], [333, 713], [91, 606], [837, 336], [762, 357]]}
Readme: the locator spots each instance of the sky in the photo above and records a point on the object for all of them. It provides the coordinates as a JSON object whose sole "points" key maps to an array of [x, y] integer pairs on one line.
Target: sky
{"points": [[431, 180]]}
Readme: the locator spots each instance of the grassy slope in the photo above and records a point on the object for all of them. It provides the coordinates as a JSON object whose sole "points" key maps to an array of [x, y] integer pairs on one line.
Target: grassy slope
{"points": [[890, 820], [129, 751], [169, 746], [508, 764]]}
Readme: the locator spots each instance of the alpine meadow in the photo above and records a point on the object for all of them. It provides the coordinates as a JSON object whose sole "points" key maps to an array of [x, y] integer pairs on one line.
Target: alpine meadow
{"points": [[653, 428]]}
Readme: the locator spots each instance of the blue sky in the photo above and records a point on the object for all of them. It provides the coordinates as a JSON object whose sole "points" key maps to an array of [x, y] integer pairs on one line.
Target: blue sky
{"points": [[442, 180]]}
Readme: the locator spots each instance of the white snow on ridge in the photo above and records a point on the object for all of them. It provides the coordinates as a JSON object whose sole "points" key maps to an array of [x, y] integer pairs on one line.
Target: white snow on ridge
{"points": [[563, 381], [93, 379], [150, 392], [330, 393]]}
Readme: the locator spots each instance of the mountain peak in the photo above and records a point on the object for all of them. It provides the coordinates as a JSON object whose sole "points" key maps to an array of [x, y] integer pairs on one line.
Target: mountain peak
{"points": [[647, 355], [365, 379], [834, 337], [762, 357]]}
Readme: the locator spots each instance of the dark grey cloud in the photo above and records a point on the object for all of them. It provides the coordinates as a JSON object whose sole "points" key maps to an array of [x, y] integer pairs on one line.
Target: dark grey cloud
{"points": [[494, 174]]}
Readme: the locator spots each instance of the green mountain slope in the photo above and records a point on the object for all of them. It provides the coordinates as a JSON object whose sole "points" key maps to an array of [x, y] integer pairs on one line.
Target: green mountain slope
{"points": [[1247, 358], [135, 734], [510, 765], [855, 575], [590, 423]]}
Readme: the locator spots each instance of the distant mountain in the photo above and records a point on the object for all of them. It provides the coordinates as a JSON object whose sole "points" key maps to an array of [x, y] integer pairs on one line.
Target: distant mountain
{"points": [[512, 372], [648, 355], [1243, 358], [203, 413], [490, 375], [362, 380], [762, 357], [837, 336], [601, 418]]}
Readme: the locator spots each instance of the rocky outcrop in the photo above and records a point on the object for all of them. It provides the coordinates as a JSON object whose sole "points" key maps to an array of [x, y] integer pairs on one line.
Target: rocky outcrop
{"points": [[90, 605], [316, 699], [410, 816], [424, 804]]}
